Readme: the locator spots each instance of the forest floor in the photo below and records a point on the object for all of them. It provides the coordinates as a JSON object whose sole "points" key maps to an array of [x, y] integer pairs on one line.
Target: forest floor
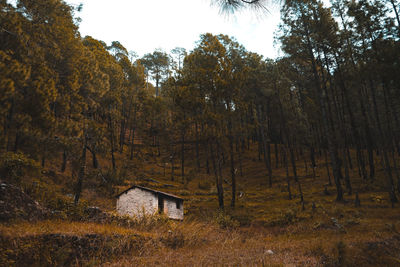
{"points": [[264, 229]]}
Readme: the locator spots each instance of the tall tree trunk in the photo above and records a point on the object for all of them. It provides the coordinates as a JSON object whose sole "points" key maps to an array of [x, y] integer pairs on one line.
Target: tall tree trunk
{"points": [[16, 141], [172, 165], [285, 163], [327, 168], [110, 125], [327, 121], [197, 146], [122, 136], [240, 151], [64, 161], [368, 136], [347, 174], [81, 173], [232, 161], [94, 158], [312, 158], [207, 158], [183, 155], [397, 14], [289, 144], [132, 146], [218, 181], [133, 128], [44, 152], [265, 148]]}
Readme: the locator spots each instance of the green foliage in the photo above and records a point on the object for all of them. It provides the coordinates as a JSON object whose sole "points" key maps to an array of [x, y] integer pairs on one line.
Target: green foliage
{"points": [[287, 217], [225, 221], [14, 166], [61, 206]]}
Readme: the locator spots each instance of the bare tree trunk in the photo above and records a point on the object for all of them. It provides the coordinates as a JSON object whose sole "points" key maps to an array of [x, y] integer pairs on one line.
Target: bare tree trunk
{"points": [[218, 180], [265, 147], [232, 160], [172, 166], [292, 156], [327, 121], [397, 14], [112, 142], [197, 146], [64, 161], [94, 157], [81, 174], [240, 150], [132, 148], [133, 128], [327, 168], [183, 155], [207, 159], [346, 174], [285, 163], [276, 155], [312, 158], [44, 156]]}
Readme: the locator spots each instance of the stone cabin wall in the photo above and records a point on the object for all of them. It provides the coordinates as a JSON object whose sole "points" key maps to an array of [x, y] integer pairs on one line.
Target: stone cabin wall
{"points": [[137, 202], [171, 210]]}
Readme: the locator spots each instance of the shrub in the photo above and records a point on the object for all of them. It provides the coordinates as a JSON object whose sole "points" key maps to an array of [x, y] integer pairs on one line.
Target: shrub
{"points": [[62, 206], [13, 166], [285, 218], [225, 221], [174, 239]]}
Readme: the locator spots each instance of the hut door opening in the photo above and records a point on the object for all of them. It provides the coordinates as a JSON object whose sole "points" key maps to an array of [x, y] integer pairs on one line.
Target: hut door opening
{"points": [[160, 204]]}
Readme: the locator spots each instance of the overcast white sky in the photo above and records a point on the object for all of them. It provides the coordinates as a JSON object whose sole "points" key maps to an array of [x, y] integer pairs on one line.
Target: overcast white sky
{"points": [[144, 25]]}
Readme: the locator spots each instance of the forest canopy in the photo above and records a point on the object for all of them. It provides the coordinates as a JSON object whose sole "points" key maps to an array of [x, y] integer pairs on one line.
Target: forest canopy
{"points": [[335, 90]]}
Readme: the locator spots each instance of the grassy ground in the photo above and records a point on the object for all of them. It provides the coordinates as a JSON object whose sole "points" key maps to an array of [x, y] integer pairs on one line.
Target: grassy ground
{"points": [[264, 229]]}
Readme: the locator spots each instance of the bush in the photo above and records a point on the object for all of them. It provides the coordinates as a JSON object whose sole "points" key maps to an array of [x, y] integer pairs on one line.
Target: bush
{"points": [[225, 221], [285, 218], [62, 206], [174, 239], [13, 166]]}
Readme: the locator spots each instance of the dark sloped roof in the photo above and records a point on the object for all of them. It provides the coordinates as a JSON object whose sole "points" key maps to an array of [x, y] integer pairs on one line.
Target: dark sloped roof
{"points": [[150, 190]]}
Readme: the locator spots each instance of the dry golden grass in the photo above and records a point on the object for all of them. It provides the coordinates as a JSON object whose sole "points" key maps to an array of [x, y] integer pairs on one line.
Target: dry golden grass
{"points": [[331, 234], [21, 229]]}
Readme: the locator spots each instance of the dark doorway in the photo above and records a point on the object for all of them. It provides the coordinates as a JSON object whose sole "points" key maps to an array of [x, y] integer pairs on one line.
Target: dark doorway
{"points": [[160, 204]]}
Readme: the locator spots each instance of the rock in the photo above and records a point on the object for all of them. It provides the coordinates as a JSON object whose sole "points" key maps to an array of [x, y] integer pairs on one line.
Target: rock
{"points": [[269, 252]]}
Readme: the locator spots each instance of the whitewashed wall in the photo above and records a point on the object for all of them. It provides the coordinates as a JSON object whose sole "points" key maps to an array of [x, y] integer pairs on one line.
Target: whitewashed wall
{"points": [[137, 202], [170, 209]]}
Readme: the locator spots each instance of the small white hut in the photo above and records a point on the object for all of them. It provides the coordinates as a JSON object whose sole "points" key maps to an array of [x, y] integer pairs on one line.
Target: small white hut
{"points": [[138, 201]]}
